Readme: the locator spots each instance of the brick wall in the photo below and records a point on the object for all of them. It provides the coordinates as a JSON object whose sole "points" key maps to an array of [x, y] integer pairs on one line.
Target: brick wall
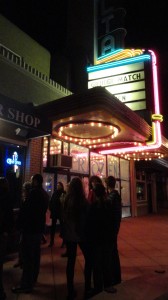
{"points": [[34, 158]]}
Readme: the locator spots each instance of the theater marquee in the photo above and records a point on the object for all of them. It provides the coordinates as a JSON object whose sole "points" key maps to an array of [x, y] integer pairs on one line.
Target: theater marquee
{"points": [[127, 79]]}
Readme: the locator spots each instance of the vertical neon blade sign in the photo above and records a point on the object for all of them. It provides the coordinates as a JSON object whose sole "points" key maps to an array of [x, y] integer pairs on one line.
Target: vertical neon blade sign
{"points": [[158, 140]]}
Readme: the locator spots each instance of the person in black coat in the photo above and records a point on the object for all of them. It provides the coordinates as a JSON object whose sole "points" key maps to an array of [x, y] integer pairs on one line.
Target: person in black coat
{"points": [[76, 210], [26, 188], [31, 223], [115, 209], [100, 240], [55, 207], [6, 226]]}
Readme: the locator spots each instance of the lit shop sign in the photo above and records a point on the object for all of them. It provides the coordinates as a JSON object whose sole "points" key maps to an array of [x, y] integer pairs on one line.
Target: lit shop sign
{"points": [[125, 79], [15, 115], [14, 160]]}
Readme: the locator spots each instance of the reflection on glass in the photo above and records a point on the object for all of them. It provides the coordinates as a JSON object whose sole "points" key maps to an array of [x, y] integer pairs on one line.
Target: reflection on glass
{"points": [[63, 179], [45, 149], [113, 166], [97, 164], [55, 146], [124, 169], [125, 193], [140, 191], [48, 183], [80, 161], [65, 148]]}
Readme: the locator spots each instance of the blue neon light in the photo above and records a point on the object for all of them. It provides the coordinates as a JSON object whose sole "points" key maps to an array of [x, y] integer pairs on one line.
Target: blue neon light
{"points": [[14, 160], [119, 63], [10, 161]]}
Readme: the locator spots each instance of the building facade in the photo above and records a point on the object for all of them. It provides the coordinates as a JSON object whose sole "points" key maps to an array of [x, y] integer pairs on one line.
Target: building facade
{"points": [[64, 134], [25, 83]]}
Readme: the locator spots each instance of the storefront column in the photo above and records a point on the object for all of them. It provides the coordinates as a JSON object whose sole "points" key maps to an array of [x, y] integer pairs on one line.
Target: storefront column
{"points": [[154, 193], [33, 158], [133, 188]]}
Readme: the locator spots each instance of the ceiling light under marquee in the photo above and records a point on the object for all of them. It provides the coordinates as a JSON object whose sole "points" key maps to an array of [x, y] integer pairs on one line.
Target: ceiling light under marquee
{"points": [[88, 132]]}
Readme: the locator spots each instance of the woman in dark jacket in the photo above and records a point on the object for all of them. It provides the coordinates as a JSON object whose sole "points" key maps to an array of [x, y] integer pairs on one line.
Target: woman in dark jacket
{"points": [[99, 237], [115, 207], [31, 224], [75, 217], [6, 226]]}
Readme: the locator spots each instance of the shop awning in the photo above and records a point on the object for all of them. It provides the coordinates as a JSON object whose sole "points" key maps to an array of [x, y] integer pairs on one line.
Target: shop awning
{"points": [[21, 121]]}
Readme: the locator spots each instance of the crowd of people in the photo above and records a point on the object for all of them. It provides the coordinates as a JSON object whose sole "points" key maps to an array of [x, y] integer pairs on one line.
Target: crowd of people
{"points": [[91, 222]]}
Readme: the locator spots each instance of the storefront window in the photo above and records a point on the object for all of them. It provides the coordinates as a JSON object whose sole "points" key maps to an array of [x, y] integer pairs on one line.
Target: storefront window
{"points": [[124, 169], [97, 164], [140, 190], [141, 185], [62, 178], [65, 148], [125, 192], [55, 146], [125, 187], [113, 166], [45, 150], [80, 161], [48, 183]]}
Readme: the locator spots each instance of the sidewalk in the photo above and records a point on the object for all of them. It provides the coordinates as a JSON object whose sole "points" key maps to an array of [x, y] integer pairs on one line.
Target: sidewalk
{"points": [[143, 248]]}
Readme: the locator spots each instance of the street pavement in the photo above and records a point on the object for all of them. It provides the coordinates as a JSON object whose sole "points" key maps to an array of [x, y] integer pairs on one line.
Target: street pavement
{"points": [[143, 248]]}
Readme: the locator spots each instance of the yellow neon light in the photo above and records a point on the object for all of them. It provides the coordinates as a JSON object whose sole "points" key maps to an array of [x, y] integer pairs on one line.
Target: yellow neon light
{"points": [[157, 117], [126, 53], [153, 141]]}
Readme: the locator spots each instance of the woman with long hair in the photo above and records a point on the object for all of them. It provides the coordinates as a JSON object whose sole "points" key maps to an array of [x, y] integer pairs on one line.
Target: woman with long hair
{"points": [[75, 217]]}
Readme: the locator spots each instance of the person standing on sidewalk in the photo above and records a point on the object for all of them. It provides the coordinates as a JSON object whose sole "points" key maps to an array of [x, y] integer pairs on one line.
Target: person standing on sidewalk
{"points": [[6, 226], [115, 209], [93, 180], [32, 224], [56, 212], [75, 218], [26, 188], [99, 239], [62, 200]]}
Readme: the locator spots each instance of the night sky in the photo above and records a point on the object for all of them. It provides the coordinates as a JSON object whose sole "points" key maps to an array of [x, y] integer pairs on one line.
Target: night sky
{"points": [[145, 22], [37, 19]]}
